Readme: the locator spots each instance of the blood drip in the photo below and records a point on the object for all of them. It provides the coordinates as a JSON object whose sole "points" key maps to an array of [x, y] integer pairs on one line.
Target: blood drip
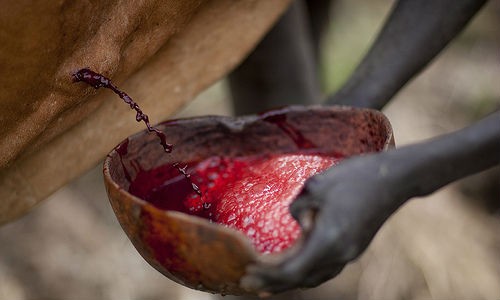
{"points": [[97, 81]]}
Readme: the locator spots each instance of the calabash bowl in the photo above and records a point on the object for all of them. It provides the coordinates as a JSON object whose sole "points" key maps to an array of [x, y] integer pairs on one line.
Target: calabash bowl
{"points": [[193, 251]]}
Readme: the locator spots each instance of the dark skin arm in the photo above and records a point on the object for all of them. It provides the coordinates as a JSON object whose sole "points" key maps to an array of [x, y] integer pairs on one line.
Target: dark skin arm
{"points": [[414, 33], [347, 215]]}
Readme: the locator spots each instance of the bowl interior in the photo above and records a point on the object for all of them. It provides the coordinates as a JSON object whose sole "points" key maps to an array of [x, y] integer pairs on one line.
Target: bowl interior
{"points": [[329, 130]]}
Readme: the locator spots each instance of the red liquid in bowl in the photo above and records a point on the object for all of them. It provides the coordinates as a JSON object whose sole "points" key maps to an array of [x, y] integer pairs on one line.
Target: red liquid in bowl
{"points": [[249, 194]]}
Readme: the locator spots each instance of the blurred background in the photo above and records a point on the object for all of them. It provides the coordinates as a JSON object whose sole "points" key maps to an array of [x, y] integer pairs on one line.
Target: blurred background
{"points": [[445, 246]]}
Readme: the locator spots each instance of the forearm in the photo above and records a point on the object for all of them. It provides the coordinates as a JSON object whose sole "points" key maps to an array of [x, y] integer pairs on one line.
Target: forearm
{"points": [[421, 169], [415, 32], [342, 208], [382, 182]]}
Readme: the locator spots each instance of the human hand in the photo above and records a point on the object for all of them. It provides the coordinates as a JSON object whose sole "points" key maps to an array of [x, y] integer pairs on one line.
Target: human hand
{"points": [[340, 212]]}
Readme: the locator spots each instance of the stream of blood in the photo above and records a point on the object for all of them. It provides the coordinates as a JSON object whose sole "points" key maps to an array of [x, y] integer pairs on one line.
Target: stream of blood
{"points": [[97, 81]]}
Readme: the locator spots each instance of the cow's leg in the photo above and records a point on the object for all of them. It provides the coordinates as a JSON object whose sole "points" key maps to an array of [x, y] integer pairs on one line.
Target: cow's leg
{"points": [[281, 70]]}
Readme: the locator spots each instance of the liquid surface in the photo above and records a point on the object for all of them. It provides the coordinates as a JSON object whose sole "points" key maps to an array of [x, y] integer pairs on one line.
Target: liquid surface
{"points": [[250, 194]]}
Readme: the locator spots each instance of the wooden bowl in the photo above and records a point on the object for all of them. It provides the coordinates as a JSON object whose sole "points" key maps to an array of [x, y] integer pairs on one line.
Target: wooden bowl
{"points": [[191, 250]]}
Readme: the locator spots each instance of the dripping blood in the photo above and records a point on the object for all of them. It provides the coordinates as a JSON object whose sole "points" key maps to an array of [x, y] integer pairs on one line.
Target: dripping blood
{"points": [[97, 81]]}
